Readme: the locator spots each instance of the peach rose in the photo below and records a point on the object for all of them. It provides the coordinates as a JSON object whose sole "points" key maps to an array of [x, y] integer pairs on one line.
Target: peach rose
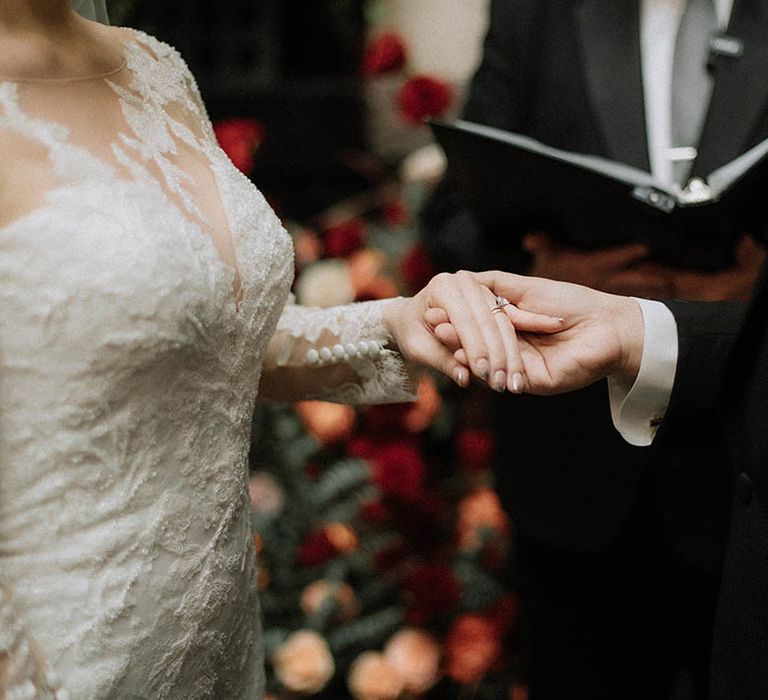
{"points": [[317, 593], [479, 510], [325, 283], [307, 247], [303, 663], [422, 412], [342, 537], [415, 655], [372, 678], [328, 422], [368, 273], [472, 648]]}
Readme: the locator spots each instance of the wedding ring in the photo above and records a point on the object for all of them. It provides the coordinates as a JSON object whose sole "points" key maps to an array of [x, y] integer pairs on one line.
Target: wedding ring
{"points": [[501, 302]]}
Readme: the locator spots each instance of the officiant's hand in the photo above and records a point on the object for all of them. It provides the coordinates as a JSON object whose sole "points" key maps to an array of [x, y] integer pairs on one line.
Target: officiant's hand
{"points": [[620, 270], [600, 334], [488, 340], [734, 284]]}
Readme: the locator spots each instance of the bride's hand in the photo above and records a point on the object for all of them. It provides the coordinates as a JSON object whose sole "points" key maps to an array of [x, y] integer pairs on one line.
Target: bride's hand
{"points": [[600, 334], [488, 339]]}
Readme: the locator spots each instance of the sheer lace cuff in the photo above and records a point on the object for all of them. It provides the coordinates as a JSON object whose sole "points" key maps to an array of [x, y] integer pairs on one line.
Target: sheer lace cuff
{"points": [[23, 675], [345, 354]]}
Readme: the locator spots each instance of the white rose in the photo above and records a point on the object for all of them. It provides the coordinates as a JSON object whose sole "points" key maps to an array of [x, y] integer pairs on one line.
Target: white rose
{"points": [[325, 283]]}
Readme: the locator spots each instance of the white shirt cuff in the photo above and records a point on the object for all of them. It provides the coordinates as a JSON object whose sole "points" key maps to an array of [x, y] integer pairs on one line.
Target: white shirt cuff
{"points": [[638, 410]]}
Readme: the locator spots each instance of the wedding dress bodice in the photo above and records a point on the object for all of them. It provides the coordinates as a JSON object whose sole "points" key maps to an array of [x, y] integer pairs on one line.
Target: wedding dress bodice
{"points": [[144, 284]]}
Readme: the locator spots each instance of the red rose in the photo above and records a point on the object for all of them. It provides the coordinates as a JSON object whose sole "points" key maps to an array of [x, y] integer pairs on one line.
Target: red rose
{"points": [[416, 268], [345, 238], [385, 53], [398, 470], [424, 96], [361, 446], [317, 548], [474, 447], [239, 138], [432, 591]]}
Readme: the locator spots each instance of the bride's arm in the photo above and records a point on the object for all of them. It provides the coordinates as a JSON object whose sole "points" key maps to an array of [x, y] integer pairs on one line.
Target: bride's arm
{"points": [[343, 354], [370, 352]]}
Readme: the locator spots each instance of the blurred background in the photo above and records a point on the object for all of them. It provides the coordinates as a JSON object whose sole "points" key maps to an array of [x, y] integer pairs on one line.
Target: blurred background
{"points": [[386, 562]]}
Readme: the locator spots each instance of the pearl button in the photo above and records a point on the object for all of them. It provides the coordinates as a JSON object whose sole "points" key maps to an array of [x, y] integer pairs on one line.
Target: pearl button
{"points": [[326, 355], [339, 352], [313, 356]]}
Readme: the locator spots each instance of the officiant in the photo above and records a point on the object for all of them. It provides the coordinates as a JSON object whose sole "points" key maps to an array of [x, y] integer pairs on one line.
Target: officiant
{"points": [[620, 549]]}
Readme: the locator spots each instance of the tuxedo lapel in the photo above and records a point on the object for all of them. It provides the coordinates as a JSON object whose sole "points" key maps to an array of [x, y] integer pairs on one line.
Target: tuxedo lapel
{"points": [[610, 44], [740, 91]]}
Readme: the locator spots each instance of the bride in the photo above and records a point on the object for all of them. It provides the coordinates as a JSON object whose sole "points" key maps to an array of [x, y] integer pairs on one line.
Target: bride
{"points": [[144, 301]]}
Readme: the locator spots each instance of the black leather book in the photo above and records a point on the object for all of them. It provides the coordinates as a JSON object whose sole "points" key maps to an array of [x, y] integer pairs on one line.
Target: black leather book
{"points": [[515, 184]]}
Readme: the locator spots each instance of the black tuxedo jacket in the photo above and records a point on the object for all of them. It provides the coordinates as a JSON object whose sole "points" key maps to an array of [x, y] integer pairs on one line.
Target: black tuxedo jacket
{"points": [[715, 373], [568, 72]]}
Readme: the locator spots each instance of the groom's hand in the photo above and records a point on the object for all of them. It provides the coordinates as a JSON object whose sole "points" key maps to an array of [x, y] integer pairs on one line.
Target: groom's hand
{"points": [[600, 335]]}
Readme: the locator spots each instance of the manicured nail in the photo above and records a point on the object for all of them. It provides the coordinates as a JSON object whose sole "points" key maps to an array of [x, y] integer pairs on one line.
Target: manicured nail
{"points": [[458, 376], [500, 381], [517, 383], [483, 369]]}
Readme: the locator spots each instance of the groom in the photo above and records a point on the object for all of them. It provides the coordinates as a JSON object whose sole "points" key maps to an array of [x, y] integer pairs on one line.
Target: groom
{"points": [[620, 549], [671, 366]]}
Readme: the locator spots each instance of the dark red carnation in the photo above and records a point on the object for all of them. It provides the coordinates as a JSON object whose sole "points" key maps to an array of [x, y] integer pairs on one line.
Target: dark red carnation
{"points": [[474, 447], [398, 470], [424, 96], [384, 53], [416, 268], [432, 591], [345, 238], [316, 549], [240, 138]]}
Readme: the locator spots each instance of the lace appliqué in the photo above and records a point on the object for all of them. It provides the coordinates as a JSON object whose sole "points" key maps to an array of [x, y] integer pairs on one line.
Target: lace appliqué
{"points": [[383, 376]]}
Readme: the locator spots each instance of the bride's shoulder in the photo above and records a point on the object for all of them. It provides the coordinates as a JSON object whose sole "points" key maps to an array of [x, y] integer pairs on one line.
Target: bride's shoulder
{"points": [[130, 37]]}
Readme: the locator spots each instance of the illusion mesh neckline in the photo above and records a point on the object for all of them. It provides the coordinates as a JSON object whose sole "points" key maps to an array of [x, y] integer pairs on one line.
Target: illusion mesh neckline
{"points": [[74, 79]]}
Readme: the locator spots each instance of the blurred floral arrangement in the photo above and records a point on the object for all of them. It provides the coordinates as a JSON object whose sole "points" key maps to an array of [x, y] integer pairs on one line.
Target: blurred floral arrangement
{"points": [[382, 546], [398, 98]]}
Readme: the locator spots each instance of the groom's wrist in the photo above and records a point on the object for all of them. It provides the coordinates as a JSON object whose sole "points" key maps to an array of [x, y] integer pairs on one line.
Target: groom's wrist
{"points": [[628, 317]]}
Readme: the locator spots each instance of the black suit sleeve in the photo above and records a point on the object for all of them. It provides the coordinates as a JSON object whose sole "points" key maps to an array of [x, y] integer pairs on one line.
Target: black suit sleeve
{"points": [[707, 334], [498, 96]]}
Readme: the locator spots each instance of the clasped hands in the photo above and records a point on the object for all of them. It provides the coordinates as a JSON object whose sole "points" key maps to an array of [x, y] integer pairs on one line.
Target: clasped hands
{"points": [[553, 337]]}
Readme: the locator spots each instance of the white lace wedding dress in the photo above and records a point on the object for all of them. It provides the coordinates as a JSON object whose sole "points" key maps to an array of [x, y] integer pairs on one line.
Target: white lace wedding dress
{"points": [[143, 288]]}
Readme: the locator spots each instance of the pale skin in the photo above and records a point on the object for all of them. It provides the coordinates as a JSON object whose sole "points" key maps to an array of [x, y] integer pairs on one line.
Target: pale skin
{"points": [[601, 335]]}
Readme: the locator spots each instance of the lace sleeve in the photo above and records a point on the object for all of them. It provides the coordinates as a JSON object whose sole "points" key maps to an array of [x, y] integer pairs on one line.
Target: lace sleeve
{"points": [[23, 675], [342, 354]]}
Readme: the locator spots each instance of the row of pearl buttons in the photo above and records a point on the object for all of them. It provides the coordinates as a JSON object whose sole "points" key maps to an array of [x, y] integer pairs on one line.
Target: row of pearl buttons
{"points": [[339, 353]]}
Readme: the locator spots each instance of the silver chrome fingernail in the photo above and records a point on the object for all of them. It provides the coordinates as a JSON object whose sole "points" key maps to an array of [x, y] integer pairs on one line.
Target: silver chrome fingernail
{"points": [[458, 377], [483, 369], [500, 381], [517, 383]]}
